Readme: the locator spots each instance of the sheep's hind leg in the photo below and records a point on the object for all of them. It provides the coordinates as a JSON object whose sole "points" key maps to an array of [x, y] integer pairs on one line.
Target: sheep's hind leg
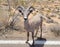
{"points": [[27, 37], [36, 33], [41, 30], [41, 33], [41, 27]]}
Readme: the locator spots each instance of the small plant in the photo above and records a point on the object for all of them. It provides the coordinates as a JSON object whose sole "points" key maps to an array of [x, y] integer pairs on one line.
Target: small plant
{"points": [[55, 29], [49, 20]]}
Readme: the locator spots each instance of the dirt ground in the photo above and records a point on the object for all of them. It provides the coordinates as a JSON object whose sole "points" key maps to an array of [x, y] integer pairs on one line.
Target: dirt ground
{"points": [[18, 35]]}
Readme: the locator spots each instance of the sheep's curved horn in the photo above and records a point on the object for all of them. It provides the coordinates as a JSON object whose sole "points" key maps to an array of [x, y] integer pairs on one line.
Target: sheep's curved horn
{"points": [[30, 9], [20, 9]]}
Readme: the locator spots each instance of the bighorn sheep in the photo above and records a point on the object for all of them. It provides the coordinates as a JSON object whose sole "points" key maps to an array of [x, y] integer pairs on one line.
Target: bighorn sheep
{"points": [[25, 13], [31, 24]]}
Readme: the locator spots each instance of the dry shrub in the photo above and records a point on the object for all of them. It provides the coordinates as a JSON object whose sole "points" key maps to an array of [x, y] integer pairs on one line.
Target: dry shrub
{"points": [[55, 29], [49, 20]]}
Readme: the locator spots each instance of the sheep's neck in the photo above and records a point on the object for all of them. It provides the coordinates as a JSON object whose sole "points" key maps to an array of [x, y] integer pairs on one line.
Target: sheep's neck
{"points": [[26, 23]]}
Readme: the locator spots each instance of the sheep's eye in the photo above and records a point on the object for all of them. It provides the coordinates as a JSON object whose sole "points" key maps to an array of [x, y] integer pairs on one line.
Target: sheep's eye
{"points": [[20, 11], [30, 11]]}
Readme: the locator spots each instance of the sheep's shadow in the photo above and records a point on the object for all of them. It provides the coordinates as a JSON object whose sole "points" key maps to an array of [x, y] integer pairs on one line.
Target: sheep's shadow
{"points": [[38, 45]]}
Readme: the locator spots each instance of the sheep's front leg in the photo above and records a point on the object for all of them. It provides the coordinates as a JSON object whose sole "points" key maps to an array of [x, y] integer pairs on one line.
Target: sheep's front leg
{"points": [[27, 37], [33, 37]]}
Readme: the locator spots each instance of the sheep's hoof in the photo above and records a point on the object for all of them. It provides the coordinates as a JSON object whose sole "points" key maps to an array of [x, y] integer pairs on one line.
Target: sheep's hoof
{"points": [[33, 44], [26, 41], [35, 36]]}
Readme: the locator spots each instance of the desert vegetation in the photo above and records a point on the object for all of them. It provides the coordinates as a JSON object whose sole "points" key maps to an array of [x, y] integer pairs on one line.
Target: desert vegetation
{"points": [[48, 8], [55, 29]]}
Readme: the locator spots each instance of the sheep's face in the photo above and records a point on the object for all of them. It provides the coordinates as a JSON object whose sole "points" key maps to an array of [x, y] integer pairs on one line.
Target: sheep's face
{"points": [[25, 12]]}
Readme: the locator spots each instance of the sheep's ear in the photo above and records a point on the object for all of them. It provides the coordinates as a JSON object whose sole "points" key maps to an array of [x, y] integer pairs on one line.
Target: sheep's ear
{"points": [[20, 9], [31, 9]]}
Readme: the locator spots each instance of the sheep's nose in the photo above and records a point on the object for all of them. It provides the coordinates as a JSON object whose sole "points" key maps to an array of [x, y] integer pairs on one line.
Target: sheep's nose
{"points": [[25, 19]]}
